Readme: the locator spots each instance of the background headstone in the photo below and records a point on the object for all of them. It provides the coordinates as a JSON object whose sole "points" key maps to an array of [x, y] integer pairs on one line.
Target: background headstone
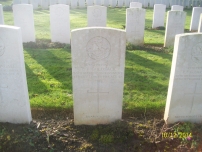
{"points": [[82, 4], [74, 3], [120, 3], [195, 18], [62, 2], [135, 24], [97, 2], [135, 5], [60, 23], [177, 8], [53, 2], [16, 1], [35, 3], [200, 24], [174, 25], [113, 3], [45, 4], [23, 17], [98, 58], [1, 15], [14, 98], [89, 2], [97, 16], [185, 86], [158, 15], [24, 1], [106, 3]]}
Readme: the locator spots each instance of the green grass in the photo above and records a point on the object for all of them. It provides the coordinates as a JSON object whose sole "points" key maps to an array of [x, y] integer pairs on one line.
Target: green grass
{"points": [[146, 73]]}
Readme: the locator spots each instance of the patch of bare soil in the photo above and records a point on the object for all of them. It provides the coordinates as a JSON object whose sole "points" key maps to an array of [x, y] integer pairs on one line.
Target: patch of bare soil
{"points": [[55, 131]]}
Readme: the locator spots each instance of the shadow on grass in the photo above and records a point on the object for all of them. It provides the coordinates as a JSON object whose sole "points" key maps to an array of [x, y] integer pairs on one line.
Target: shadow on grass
{"points": [[57, 63]]}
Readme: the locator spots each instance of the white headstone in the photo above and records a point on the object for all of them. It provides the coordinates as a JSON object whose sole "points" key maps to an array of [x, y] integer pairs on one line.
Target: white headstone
{"points": [[97, 2], [200, 24], [177, 8], [98, 58], [185, 87], [60, 23], [113, 3], [195, 18], [23, 17], [74, 3], [82, 4], [45, 4], [120, 3], [135, 24], [158, 15], [89, 2], [62, 1], [24, 1], [135, 5], [174, 25], [14, 98], [97, 16], [106, 3], [35, 3], [1, 15], [53, 2], [16, 1]]}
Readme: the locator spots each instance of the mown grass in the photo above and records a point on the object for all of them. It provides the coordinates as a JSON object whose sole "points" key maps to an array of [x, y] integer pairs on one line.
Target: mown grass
{"points": [[146, 73]]}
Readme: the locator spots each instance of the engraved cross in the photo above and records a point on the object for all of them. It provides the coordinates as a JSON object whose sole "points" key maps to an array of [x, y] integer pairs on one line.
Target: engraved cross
{"points": [[98, 92], [193, 96]]}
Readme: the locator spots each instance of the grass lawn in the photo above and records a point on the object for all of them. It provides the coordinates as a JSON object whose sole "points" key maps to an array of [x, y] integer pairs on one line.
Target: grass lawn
{"points": [[49, 69]]}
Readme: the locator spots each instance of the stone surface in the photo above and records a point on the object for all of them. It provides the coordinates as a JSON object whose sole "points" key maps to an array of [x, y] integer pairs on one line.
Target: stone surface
{"points": [[60, 23], [35, 3], [53, 2], [1, 15], [135, 24], [14, 98], [120, 3], [113, 3], [45, 4], [74, 3], [174, 25], [135, 5], [89, 2], [195, 18], [185, 87], [98, 58], [82, 4], [158, 15], [200, 24], [177, 8], [97, 15], [97, 2], [23, 17]]}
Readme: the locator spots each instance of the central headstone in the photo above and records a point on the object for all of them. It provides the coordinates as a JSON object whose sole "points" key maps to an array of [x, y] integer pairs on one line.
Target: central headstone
{"points": [[184, 99], [14, 99], [159, 15], [97, 16], [98, 61]]}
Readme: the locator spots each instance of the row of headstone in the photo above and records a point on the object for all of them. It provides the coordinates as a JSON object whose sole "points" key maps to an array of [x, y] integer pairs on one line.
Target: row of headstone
{"points": [[113, 3]]}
